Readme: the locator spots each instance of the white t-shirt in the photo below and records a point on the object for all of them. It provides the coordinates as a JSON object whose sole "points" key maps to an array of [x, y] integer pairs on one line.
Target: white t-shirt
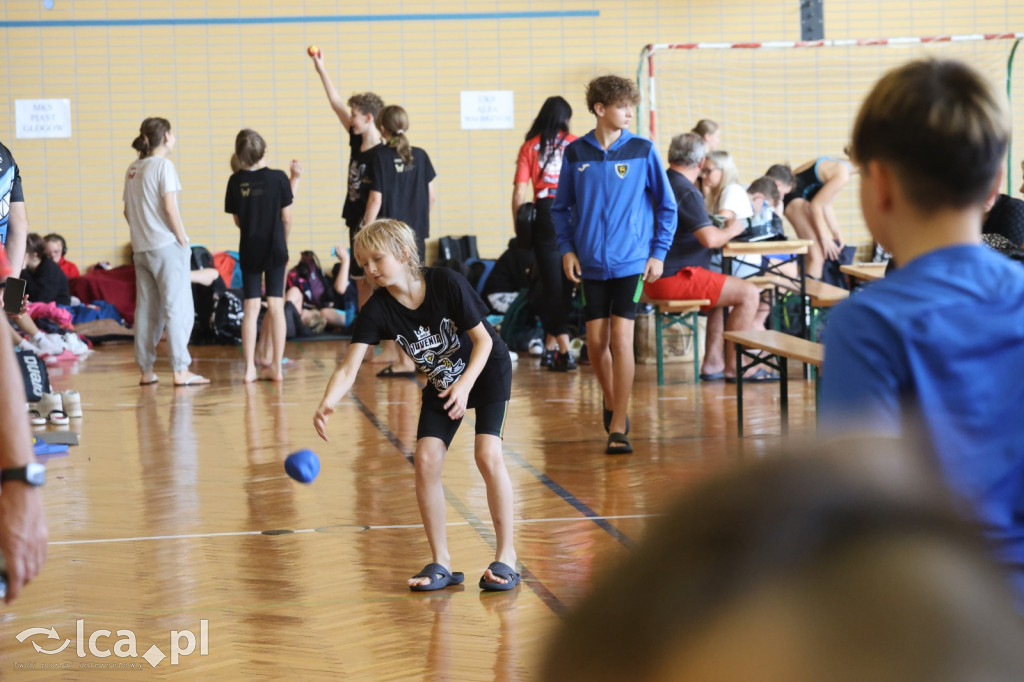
{"points": [[734, 198], [145, 183]]}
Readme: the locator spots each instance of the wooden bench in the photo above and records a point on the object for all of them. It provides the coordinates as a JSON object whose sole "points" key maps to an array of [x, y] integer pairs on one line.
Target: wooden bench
{"points": [[780, 348], [864, 272], [669, 312]]}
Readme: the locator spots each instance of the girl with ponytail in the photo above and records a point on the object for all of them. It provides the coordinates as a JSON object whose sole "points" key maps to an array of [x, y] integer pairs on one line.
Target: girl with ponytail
{"points": [[402, 178], [161, 253], [401, 188]]}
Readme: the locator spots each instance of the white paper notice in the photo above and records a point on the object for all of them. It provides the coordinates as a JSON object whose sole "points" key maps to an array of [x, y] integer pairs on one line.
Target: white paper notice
{"points": [[487, 109], [42, 118]]}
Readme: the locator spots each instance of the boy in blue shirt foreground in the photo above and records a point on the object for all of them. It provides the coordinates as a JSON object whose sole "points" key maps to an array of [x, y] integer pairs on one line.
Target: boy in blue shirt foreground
{"points": [[936, 349]]}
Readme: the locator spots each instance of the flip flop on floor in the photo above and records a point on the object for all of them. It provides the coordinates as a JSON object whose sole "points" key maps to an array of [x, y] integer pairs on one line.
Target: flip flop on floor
{"points": [[618, 444], [148, 383], [761, 376], [59, 417], [502, 571], [390, 373], [713, 376], [440, 577]]}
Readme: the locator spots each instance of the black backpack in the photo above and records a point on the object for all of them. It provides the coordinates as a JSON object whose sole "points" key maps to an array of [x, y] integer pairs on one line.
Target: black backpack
{"points": [[201, 258], [227, 318]]}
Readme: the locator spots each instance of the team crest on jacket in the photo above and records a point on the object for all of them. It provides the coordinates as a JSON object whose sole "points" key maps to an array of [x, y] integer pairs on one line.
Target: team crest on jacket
{"points": [[621, 169]]}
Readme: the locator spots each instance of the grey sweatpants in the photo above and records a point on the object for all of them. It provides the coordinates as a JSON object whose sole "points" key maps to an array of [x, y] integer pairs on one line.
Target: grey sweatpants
{"points": [[163, 298]]}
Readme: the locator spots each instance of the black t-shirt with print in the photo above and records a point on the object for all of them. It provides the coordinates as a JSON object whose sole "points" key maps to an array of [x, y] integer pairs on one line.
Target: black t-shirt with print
{"points": [[10, 189], [434, 336], [257, 198], [404, 187], [686, 249], [359, 182]]}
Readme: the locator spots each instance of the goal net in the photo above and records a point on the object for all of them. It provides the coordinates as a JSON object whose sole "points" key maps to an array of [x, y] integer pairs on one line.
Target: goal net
{"points": [[795, 101]]}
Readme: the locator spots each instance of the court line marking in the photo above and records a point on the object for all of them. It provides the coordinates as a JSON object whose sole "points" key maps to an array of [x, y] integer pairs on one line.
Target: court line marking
{"points": [[355, 526]]}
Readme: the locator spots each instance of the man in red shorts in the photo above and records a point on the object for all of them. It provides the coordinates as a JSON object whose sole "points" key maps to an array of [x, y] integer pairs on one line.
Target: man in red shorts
{"points": [[686, 275]]}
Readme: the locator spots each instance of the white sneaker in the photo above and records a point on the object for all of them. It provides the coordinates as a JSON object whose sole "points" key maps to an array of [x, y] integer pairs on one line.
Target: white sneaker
{"points": [[513, 356], [72, 403], [27, 345], [50, 344], [74, 344], [536, 347]]}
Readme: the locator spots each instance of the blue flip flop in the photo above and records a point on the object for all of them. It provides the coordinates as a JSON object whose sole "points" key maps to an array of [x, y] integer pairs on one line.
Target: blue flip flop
{"points": [[440, 577], [502, 571], [761, 376]]}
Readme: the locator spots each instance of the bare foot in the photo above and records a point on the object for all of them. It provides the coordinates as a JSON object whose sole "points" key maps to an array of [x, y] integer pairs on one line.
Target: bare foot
{"points": [[269, 374], [491, 578], [421, 581], [250, 375]]}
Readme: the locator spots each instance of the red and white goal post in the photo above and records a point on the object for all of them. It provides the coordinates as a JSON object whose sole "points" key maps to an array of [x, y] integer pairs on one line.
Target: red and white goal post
{"points": [[792, 101]]}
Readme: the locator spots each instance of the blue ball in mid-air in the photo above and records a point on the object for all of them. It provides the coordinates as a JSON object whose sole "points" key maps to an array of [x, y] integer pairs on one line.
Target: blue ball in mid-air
{"points": [[303, 466]]}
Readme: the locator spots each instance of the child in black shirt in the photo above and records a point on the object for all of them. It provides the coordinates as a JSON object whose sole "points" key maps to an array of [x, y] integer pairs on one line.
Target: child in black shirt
{"points": [[440, 322], [260, 200]]}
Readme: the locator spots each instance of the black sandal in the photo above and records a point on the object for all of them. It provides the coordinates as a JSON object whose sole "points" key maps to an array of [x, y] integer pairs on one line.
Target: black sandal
{"points": [[618, 444]]}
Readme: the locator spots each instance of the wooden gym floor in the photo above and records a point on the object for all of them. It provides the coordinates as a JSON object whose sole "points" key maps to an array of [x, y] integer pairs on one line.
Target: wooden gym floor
{"points": [[175, 509]]}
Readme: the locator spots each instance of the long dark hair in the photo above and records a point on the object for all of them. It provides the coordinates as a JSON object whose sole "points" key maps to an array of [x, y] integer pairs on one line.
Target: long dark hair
{"points": [[551, 122]]}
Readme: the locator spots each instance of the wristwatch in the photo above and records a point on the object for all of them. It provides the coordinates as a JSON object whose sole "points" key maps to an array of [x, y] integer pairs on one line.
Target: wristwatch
{"points": [[32, 473]]}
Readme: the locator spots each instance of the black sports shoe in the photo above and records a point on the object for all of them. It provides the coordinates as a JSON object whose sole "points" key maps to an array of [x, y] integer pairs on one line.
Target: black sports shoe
{"points": [[563, 362], [547, 358]]}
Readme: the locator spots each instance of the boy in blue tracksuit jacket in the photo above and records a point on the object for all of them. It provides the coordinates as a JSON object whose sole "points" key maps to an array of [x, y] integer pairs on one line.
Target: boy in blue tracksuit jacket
{"points": [[610, 184]]}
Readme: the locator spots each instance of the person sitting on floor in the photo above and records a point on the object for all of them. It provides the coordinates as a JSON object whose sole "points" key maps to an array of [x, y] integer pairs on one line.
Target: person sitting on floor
{"points": [[511, 274], [686, 275], [45, 282], [57, 249]]}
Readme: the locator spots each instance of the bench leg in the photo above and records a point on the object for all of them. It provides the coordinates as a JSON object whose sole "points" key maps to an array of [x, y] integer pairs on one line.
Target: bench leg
{"points": [[739, 389], [784, 388], [694, 327], [657, 343]]}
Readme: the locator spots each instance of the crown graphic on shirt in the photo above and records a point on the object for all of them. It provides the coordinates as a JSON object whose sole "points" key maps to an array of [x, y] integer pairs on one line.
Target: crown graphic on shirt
{"points": [[421, 333]]}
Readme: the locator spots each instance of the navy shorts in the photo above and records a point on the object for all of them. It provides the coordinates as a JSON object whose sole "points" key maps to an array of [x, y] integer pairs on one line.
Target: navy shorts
{"points": [[252, 282], [435, 422], [603, 298]]}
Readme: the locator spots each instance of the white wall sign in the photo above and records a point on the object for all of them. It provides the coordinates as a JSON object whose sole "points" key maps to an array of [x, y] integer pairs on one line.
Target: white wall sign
{"points": [[487, 109], [42, 118]]}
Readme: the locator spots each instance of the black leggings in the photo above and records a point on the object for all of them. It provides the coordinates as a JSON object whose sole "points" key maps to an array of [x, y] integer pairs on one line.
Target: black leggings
{"points": [[556, 287]]}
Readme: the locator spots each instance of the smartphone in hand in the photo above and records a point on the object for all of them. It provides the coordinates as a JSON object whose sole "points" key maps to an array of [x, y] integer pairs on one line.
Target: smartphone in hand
{"points": [[13, 295]]}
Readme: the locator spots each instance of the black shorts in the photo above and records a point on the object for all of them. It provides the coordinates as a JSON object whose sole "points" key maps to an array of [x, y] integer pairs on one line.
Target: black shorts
{"points": [[435, 422], [354, 270], [806, 185], [252, 282], [603, 298]]}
